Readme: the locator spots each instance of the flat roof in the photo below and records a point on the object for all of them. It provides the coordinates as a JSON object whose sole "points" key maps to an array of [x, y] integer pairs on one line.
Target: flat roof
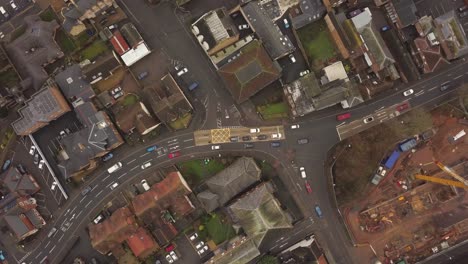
{"points": [[135, 54]]}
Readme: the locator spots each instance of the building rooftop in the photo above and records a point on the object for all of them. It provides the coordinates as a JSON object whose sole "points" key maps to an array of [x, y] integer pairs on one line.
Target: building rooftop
{"points": [[32, 50], [43, 107], [451, 35], [245, 252], [73, 84], [118, 42], [136, 117], [142, 243], [406, 11], [276, 44], [131, 34], [101, 69], [335, 71], [430, 57], [307, 11], [228, 183], [135, 54], [252, 71], [23, 184], [22, 217]]}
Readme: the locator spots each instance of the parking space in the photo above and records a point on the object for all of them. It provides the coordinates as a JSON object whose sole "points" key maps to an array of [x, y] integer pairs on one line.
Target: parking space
{"points": [[9, 8], [147, 64]]}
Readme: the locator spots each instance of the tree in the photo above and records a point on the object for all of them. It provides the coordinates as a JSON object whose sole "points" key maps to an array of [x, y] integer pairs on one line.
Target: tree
{"points": [[268, 259]]}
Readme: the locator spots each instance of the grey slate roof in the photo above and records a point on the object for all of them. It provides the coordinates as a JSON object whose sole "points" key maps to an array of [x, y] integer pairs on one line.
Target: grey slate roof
{"points": [[231, 181], [33, 49], [16, 225], [131, 34], [406, 10], [307, 11], [276, 44], [73, 84], [16, 182]]}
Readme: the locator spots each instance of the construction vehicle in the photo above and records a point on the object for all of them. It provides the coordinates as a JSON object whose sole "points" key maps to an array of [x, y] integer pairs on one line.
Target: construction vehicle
{"points": [[461, 183]]}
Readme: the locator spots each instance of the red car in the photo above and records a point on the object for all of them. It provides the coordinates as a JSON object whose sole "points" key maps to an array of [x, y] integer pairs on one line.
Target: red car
{"points": [[402, 107], [169, 248], [308, 188], [343, 116], [174, 154]]}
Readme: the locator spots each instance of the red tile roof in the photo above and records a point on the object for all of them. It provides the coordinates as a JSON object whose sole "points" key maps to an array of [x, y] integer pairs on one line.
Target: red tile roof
{"points": [[119, 43], [430, 56], [141, 243]]}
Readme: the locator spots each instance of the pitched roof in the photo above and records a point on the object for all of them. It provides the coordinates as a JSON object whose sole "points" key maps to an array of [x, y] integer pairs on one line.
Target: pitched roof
{"points": [[24, 184], [141, 243], [430, 56], [119, 43], [245, 252], [252, 71], [451, 35], [276, 44], [136, 116], [230, 182], [406, 10], [306, 11], [258, 212], [32, 50], [73, 84]]}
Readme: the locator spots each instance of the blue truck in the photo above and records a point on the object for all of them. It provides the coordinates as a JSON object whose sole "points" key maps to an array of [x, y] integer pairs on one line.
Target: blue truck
{"points": [[392, 159], [407, 144]]}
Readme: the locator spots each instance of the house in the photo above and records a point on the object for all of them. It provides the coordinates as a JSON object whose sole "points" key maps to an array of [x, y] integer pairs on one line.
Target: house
{"points": [[162, 205], [133, 52], [428, 57], [22, 184], [306, 12], [215, 30], [33, 50], [21, 216], [142, 243], [101, 69], [74, 85], [451, 35], [333, 72], [406, 12], [131, 34], [136, 117], [250, 72], [119, 43], [167, 100], [276, 43], [259, 212], [109, 235], [228, 183], [244, 252], [42, 108], [79, 11]]}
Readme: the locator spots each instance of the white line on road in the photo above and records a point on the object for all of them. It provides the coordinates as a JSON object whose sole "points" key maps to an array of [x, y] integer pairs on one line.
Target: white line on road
{"points": [[358, 126], [189, 147], [74, 208], [38, 255], [147, 161], [122, 175], [383, 119], [144, 154], [47, 244], [88, 204], [459, 76], [105, 178], [419, 93], [341, 124], [435, 87], [187, 140], [61, 237], [52, 249], [132, 169], [94, 187], [131, 161], [79, 213], [99, 193]]}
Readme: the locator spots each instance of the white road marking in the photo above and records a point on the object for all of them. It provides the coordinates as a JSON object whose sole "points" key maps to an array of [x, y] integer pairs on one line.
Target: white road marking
{"points": [[38, 255], [74, 208], [94, 187], [88, 204], [82, 199], [61, 237], [122, 175], [187, 140], [341, 124], [144, 154], [52, 249], [435, 87], [147, 161], [47, 244], [189, 147], [358, 126], [134, 168], [99, 193], [131, 161], [459, 76], [419, 93], [79, 213], [105, 178]]}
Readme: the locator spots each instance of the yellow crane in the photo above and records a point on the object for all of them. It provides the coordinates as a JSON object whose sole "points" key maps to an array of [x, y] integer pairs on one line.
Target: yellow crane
{"points": [[461, 183]]}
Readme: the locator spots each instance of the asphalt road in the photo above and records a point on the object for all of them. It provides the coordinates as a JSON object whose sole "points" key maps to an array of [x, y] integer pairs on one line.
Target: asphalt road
{"points": [[318, 128]]}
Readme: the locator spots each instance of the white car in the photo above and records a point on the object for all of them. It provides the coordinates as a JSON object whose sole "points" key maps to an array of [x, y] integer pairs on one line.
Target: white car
{"points": [[295, 126], [114, 185], [286, 23], [303, 173], [169, 259], [408, 92], [255, 130], [368, 119], [302, 73], [182, 72], [215, 147], [145, 184], [32, 150], [146, 165], [244, 26], [173, 255], [292, 58], [200, 245], [276, 135], [41, 164], [54, 185], [193, 236]]}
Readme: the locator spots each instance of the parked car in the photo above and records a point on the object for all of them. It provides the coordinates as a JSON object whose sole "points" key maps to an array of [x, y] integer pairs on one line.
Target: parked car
{"points": [[21, 168], [215, 147], [254, 130], [463, 8], [173, 255], [275, 144], [54, 185], [262, 137], [32, 150], [2, 255], [107, 157], [246, 138], [308, 188], [193, 236], [113, 26], [169, 248], [302, 141], [145, 184], [146, 165], [302, 73], [464, 14], [41, 164], [6, 165], [303, 173], [368, 119], [243, 26], [276, 135], [343, 116], [318, 211], [142, 75], [234, 139], [174, 154], [98, 219], [169, 259], [86, 190], [292, 58], [385, 28], [115, 91], [408, 92], [182, 72], [248, 145], [295, 126], [286, 23], [193, 86], [36, 158]]}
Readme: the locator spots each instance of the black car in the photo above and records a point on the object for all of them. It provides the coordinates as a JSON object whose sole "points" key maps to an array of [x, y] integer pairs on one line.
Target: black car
{"points": [[275, 144], [246, 138], [248, 145], [302, 141], [21, 168], [262, 137]]}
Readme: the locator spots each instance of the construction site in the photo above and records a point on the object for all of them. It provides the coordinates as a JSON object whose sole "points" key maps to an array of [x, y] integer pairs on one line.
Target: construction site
{"points": [[420, 206]]}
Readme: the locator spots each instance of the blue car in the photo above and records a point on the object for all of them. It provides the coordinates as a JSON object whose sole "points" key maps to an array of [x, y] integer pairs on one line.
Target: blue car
{"points": [[318, 211], [152, 148], [2, 257], [6, 165], [385, 28], [107, 157]]}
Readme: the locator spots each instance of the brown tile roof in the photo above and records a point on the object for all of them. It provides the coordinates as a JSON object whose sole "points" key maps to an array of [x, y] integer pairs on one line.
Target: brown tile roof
{"points": [[141, 243], [134, 117], [113, 231], [250, 72], [430, 56]]}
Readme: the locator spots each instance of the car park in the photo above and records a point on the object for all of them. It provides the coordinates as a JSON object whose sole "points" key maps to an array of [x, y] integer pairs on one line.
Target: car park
{"points": [[343, 116], [248, 145], [114, 185], [308, 188], [243, 26], [174, 154], [292, 58], [302, 141], [302, 73], [262, 137], [41, 164], [6, 165], [86, 190], [32, 150], [107, 157], [182, 72], [276, 135], [408, 92], [98, 219], [275, 144], [303, 173], [286, 23], [318, 211], [368, 119], [152, 148], [295, 126], [145, 184], [215, 147], [254, 130], [146, 165]]}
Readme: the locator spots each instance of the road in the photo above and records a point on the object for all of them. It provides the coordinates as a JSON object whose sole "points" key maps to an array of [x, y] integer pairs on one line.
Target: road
{"points": [[319, 128]]}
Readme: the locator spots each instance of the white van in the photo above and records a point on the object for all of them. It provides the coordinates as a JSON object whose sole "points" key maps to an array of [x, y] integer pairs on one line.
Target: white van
{"points": [[115, 167], [52, 232]]}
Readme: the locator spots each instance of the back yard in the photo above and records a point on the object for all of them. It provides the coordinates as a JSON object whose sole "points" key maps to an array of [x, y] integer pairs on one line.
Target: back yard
{"points": [[317, 43], [195, 171], [216, 228]]}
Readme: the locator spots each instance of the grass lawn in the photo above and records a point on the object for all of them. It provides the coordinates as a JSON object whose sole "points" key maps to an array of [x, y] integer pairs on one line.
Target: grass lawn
{"points": [[182, 122], [317, 42], [272, 111], [66, 43], [195, 171], [130, 99], [48, 15], [95, 49], [216, 229], [9, 78], [82, 39]]}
